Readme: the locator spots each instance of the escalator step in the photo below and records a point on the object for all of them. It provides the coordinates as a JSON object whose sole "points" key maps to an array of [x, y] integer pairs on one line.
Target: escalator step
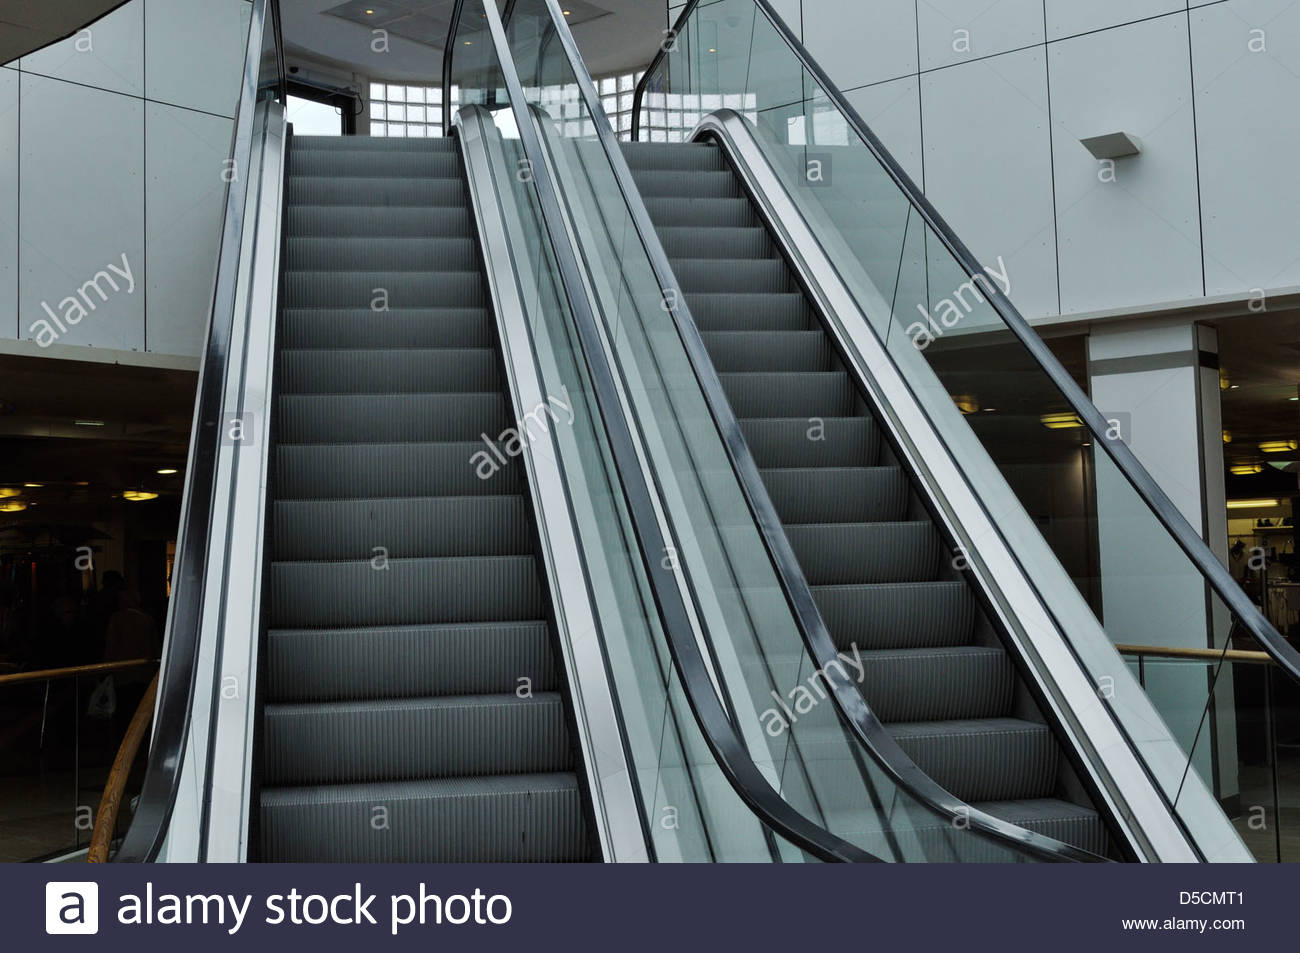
{"points": [[935, 684], [534, 818], [726, 275], [386, 418], [847, 553], [408, 661], [378, 290], [898, 615], [987, 759], [364, 163], [750, 312], [373, 144], [320, 221], [405, 527], [716, 242], [819, 395], [837, 494], [733, 351], [405, 739], [374, 190], [701, 157], [381, 591], [812, 442], [399, 327], [1061, 820], [695, 183], [352, 470], [381, 253], [675, 211], [382, 370]]}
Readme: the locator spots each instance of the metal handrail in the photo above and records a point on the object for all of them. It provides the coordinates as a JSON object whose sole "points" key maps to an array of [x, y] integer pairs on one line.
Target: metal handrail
{"points": [[1195, 548], [179, 672], [851, 708], [720, 732]]}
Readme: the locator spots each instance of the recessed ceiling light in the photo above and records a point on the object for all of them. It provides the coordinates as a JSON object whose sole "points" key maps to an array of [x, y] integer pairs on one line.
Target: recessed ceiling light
{"points": [[12, 506], [90, 423], [370, 13], [1279, 446], [1060, 421], [7, 492], [139, 496], [1245, 469], [166, 471], [1293, 398], [34, 486], [1251, 504]]}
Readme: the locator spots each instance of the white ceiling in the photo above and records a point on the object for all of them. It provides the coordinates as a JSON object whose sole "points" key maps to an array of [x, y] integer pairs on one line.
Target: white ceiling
{"points": [[613, 35]]}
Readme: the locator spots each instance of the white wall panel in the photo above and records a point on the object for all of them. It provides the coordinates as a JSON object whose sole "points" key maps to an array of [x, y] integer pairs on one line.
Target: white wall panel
{"points": [[195, 49], [185, 152], [114, 60], [82, 208], [988, 168], [861, 43], [8, 203], [1134, 240], [954, 31], [1071, 17], [1249, 138], [893, 111]]}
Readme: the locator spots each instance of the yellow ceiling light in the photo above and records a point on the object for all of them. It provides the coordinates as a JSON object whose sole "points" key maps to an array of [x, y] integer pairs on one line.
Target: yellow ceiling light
{"points": [[1252, 504], [139, 496], [966, 403], [1060, 421], [1224, 382], [1245, 469], [6, 492], [33, 486], [12, 506], [1227, 436], [1279, 446], [166, 471]]}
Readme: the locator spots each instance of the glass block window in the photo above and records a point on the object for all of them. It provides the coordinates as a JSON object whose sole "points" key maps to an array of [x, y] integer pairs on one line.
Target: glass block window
{"points": [[407, 111]]}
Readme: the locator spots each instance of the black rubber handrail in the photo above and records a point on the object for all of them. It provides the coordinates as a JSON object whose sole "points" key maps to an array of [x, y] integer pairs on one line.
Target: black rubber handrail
{"points": [[720, 732], [1195, 548], [179, 669], [850, 706]]}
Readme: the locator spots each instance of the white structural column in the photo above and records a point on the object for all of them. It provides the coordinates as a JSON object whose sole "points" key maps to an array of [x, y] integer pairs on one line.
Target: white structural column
{"points": [[1158, 383]]}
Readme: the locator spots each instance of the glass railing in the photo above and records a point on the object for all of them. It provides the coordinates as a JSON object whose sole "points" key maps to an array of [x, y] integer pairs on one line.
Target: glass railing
{"points": [[757, 655], [1111, 557]]}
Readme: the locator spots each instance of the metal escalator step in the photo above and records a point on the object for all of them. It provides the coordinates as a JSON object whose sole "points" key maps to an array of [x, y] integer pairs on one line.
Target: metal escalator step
{"points": [[847, 553], [364, 470], [985, 759], [403, 527], [671, 211], [750, 312], [692, 156], [695, 183], [898, 615], [374, 190], [716, 242], [812, 441], [1061, 820], [385, 370], [933, 684], [410, 163], [399, 327], [533, 818], [380, 591], [400, 739], [727, 275], [733, 351], [376, 290], [381, 253], [386, 418], [408, 661], [821, 395], [323, 221], [837, 494], [375, 144]]}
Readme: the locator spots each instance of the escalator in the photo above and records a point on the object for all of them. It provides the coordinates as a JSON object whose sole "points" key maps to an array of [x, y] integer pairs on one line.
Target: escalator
{"points": [[936, 675], [409, 660]]}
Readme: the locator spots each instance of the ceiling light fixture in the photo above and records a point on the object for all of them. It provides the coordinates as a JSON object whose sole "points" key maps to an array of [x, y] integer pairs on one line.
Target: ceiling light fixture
{"points": [[1060, 421], [12, 506], [166, 471], [1245, 469], [139, 496], [34, 486], [1279, 446], [966, 403], [7, 492], [1252, 504], [89, 423]]}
